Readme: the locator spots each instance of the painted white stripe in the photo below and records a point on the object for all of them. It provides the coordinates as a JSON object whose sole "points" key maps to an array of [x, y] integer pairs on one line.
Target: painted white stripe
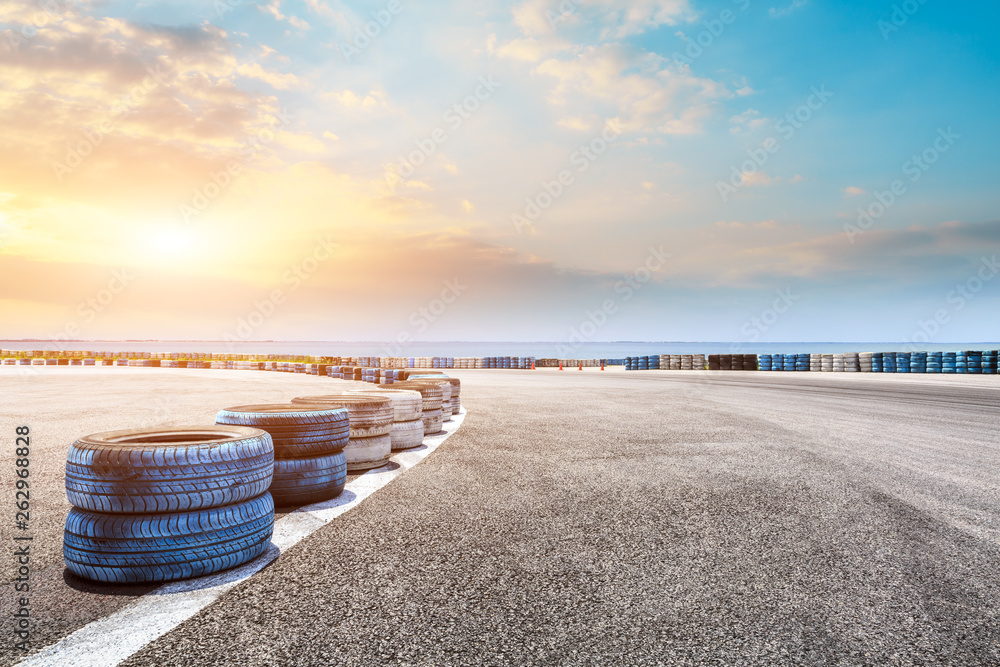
{"points": [[110, 640]]}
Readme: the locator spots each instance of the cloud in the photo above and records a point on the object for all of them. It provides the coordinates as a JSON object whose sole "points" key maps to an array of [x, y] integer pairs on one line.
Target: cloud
{"points": [[277, 80], [616, 18], [756, 179], [853, 191], [639, 89], [776, 12], [747, 121]]}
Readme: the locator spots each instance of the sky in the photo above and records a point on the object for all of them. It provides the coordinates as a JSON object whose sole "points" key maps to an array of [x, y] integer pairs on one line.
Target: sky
{"points": [[546, 170]]}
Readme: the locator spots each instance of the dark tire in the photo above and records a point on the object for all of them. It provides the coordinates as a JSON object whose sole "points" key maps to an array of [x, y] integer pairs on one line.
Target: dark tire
{"points": [[165, 547], [297, 431], [309, 480], [146, 471]]}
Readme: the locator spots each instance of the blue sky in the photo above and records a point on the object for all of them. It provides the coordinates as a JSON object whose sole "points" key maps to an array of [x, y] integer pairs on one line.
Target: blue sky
{"points": [[896, 79]]}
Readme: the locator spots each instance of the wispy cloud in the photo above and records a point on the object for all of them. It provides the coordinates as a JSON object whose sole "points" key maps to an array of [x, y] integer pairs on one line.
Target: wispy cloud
{"points": [[780, 12]]}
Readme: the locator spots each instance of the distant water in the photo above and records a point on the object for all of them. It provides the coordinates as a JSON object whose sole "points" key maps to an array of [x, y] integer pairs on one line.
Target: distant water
{"points": [[541, 350]]}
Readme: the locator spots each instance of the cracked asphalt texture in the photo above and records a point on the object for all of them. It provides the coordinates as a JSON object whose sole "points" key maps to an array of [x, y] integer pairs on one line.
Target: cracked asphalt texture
{"points": [[674, 518]]}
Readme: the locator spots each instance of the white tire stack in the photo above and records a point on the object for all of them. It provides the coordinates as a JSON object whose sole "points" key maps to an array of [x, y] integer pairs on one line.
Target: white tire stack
{"points": [[449, 407], [815, 363], [838, 363], [408, 425], [698, 362], [675, 362], [827, 364], [851, 362], [371, 421], [865, 362], [686, 362], [433, 395]]}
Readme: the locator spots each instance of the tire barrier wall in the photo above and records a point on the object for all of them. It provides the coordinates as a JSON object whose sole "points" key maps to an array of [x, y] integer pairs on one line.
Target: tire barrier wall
{"points": [[972, 362], [387, 370], [157, 505]]}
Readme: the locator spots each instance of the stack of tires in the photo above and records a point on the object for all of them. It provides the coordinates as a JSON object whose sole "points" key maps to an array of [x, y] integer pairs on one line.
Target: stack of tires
{"points": [[698, 362], [801, 362], [789, 365], [974, 362], [948, 361], [888, 362], [750, 362], [933, 362], [370, 417], [838, 363], [433, 398], [865, 362], [918, 362], [643, 363], [675, 362], [990, 362], [852, 363], [815, 363], [902, 362], [713, 362], [166, 504], [309, 461], [448, 391], [725, 362], [407, 422], [456, 394], [765, 362], [961, 363], [687, 362]]}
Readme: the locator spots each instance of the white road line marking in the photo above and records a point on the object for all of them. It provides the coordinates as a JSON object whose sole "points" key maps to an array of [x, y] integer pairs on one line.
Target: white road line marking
{"points": [[110, 640]]}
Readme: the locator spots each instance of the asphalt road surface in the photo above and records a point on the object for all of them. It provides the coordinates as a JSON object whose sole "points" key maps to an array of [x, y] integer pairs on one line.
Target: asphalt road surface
{"points": [[589, 518]]}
